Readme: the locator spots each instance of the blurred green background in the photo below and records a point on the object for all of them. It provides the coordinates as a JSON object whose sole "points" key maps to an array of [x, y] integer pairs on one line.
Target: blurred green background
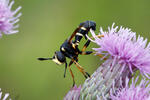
{"points": [[44, 26]]}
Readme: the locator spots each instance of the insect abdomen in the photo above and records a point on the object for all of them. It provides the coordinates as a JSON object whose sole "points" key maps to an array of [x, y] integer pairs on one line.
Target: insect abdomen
{"points": [[84, 29]]}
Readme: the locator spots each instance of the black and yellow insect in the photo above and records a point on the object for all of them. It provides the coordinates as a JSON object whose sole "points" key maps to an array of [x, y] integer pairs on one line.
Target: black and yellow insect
{"points": [[70, 49]]}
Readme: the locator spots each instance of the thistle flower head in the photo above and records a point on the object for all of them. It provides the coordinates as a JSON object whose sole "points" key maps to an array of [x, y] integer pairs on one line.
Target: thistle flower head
{"points": [[73, 94], [8, 18], [122, 44], [97, 87], [133, 91], [126, 52], [4, 96]]}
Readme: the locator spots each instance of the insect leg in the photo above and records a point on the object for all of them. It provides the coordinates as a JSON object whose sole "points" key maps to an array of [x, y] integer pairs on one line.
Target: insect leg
{"points": [[83, 52], [71, 62], [82, 71], [100, 36], [86, 74], [65, 69], [91, 52], [88, 42], [86, 45], [100, 55], [86, 52]]}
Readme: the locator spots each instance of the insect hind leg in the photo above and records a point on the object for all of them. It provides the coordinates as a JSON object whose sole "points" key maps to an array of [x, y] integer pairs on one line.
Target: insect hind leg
{"points": [[86, 74]]}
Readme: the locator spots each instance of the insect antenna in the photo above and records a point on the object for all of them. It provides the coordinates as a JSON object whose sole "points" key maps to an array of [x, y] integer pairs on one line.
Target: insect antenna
{"points": [[41, 59]]}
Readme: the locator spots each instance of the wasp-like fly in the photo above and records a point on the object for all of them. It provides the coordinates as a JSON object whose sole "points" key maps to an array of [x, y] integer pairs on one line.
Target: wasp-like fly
{"points": [[70, 49]]}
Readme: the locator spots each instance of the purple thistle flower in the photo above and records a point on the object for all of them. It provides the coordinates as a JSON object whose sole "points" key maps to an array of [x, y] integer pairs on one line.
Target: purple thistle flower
{"points": [[5, 96], [73, 94], [98, 86], [124, 47], [125, 54], [8, 18], [134, 91]]}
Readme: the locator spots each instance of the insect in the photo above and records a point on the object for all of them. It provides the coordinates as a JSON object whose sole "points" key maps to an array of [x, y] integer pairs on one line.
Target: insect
{"points": [[70, 49]]}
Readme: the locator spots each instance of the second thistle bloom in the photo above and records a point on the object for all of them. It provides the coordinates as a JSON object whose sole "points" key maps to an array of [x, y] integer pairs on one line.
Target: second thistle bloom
{"points": [[73, 94], [8, 18], [134, 91]]}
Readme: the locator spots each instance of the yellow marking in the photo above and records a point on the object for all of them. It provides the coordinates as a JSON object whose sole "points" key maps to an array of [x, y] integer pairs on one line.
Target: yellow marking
{"points": [[83, 28], [79, 34], [62, 49], [77, 43], [57, 61], [73, 45]]}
